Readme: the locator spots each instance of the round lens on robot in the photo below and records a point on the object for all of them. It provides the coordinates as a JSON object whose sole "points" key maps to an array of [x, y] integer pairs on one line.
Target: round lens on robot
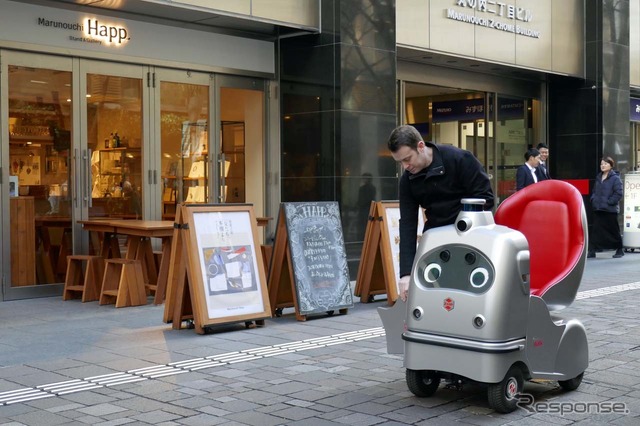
{"points": [[470, 258], [479, 277], [432, 272]]}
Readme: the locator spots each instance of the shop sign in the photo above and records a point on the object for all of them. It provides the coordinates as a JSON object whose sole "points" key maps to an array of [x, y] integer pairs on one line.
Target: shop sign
{"points": [[91, 30], [465, 110], [473, 109], [493, 15], [110, 34], [634, 112], [631, 233]]}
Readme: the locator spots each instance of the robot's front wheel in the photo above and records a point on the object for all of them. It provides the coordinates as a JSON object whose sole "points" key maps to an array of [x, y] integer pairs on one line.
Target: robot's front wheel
{"points": [[422, 383], [503, 396], [571, 384]]}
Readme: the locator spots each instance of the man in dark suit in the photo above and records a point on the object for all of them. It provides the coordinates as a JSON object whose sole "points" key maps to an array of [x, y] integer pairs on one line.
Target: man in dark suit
{"points": [[543, 168], [526, 174]]}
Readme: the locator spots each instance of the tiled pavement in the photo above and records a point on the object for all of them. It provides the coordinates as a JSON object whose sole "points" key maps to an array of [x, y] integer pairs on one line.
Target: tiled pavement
{"points": [[76, 364]]}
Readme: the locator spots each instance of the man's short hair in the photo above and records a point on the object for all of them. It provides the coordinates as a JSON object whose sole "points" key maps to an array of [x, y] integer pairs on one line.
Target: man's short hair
{"points": [[531, 152], [404, 135], [542, 145]]}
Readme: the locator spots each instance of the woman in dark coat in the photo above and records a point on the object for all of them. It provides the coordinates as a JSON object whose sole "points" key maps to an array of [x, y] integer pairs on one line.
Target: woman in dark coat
{"points": [[605, 200]]}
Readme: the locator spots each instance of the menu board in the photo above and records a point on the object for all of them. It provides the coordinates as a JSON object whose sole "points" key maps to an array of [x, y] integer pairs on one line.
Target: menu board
{"points": [[318, 256]]}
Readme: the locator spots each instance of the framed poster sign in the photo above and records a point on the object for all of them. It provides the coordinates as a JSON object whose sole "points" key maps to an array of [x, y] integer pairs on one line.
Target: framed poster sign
{"points": [[318, 256], [225, 264], [390, 212]]}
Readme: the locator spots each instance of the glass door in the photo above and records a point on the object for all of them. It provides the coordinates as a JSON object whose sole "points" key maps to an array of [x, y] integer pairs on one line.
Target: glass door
{"points": [[240, 125], [182, 107], [112, 142], [513, 136], [36, 196]]}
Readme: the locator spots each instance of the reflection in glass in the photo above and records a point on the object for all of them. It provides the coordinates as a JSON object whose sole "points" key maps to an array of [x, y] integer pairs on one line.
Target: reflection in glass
{"points": [[184, 109], [242, 177], [114, 136], [40, 205]]}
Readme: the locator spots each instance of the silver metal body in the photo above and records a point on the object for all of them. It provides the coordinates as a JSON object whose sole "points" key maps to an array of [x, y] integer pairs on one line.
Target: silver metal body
{"points": [[469, 311]]}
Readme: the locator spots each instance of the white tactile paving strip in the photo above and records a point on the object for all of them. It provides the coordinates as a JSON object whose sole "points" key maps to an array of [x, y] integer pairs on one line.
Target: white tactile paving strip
{"points": [[181, 367], [607, 290]]}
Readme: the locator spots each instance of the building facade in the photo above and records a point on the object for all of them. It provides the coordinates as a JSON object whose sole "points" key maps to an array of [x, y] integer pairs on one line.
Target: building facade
{"points": [[125, 110]]}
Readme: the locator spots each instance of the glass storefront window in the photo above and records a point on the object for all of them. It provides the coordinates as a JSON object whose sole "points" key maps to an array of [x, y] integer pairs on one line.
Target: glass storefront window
{"points": [[184, 113], [114, 136], [39, 143]]}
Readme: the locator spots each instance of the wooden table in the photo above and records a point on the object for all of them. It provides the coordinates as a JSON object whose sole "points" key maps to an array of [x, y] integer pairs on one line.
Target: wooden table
{"points": [[138, 233]]}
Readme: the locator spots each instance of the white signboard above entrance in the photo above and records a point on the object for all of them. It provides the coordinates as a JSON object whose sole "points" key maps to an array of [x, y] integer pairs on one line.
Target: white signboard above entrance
{"points": [[497, 8], [543, 35], [70, 32]]}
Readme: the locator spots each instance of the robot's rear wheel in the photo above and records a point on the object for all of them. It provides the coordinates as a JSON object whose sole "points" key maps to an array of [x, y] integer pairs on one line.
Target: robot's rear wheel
{"points": [[422, 383], [503, 396], [571, 384]]}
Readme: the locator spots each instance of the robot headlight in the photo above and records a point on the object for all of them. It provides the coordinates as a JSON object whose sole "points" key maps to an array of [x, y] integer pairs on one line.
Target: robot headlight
{"points": [[432, 272], [479, 277]]}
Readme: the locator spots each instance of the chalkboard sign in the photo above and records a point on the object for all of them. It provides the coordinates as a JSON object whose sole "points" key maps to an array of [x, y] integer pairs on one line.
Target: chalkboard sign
{"points": [[318, 256]]}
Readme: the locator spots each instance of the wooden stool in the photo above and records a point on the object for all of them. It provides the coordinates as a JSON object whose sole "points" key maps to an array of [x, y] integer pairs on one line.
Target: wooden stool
{"points": [[123, 283], [152, 289], [157, 256], [84, 275]]}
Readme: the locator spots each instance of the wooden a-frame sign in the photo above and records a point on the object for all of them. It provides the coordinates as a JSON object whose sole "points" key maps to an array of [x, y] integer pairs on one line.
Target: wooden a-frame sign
{"points": [[281, 282], [298, 279], [371, 279], [376, 273], [379, 270], [177, 307], [217, 273]]}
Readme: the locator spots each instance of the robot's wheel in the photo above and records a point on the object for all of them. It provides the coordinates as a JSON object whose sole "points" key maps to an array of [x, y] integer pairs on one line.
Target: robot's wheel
{"points": [[278, 312], [503, 396], [571, 384], [330, 313], [422, 383]]}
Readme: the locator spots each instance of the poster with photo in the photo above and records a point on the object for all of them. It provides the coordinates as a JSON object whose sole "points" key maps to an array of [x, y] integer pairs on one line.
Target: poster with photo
{"points": [[227, 262]]}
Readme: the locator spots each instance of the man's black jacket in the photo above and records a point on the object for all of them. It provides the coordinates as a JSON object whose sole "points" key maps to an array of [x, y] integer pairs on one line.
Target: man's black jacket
{"points": [[454, 174]]}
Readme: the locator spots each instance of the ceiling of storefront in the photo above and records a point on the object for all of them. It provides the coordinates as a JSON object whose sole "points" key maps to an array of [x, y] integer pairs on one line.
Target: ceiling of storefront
{"points": [[449, 61], [175, 16]]}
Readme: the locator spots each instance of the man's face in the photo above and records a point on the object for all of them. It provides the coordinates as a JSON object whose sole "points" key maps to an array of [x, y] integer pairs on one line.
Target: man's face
{"points": [[412, 160], [534, 161], [544, 154]]}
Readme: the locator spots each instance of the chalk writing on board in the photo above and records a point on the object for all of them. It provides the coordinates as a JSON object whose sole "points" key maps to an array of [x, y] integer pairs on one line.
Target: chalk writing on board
{"points": [[318, 256]]}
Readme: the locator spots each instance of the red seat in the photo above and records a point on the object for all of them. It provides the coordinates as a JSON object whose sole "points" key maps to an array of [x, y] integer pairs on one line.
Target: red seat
{"points": [[552, 217]]}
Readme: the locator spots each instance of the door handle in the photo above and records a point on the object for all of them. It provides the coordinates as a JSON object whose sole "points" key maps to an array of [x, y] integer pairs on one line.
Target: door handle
{"points": [[76, 183], [89, 178]]}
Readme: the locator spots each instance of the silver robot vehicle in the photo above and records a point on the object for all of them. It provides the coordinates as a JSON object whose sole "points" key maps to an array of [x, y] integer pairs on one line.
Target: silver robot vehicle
{"points": [[484, 295]]}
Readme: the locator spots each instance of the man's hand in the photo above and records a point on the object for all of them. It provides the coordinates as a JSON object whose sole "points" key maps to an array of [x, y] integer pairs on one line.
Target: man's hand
{"points": [[403, 287]]}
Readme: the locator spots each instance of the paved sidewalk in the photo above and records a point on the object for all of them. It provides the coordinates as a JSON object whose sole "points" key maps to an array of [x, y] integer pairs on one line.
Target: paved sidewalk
{"points": [[68, 363]]}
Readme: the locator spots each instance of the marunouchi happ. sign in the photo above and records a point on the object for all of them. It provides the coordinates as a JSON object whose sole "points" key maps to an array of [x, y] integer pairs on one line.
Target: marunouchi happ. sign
{"points": [[92, 31]]}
